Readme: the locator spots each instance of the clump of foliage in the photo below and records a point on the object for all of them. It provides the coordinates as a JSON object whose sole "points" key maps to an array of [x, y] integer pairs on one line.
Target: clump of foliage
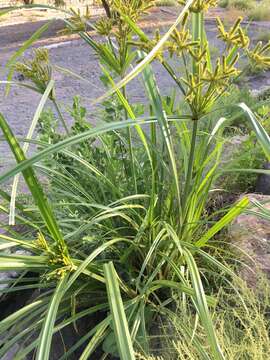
{"points": [[238, 4], [261, 12], [243, 4], [255, 11], [226, 107], [243, 327], [223, 3], [122, 229], [166, 3], [248, 155]]}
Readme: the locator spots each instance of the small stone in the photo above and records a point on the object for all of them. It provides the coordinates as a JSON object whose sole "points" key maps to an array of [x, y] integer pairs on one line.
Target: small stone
{"points": [[263, 182], [19, 77]]}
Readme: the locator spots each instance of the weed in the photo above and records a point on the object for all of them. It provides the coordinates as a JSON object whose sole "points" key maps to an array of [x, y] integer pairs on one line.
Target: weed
{"points": [[243, 328]]}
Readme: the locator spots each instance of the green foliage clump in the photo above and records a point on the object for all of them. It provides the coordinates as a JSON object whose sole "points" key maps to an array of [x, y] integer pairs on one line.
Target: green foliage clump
{"points": [[261, 12], [227, 106], [166, 3], [248, 155], [223, 3], [243, 4]]}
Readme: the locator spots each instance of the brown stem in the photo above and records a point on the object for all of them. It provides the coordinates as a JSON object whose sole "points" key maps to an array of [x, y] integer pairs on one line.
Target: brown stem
{"points": [[107, 9]]}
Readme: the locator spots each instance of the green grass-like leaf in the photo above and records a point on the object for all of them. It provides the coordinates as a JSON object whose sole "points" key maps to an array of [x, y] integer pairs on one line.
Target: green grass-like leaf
{"points": [[120, 323]]}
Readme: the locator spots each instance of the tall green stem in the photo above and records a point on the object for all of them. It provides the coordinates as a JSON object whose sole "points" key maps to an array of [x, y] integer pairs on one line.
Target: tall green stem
{"points": [[130, 147], [197, 35], [188, 181], [174, 77]]}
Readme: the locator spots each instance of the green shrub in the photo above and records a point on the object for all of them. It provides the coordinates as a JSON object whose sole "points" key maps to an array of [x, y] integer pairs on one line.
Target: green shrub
{"points": [[227, 106], [261, 12], [224, 3], [166, 3], [247, 155], [243, 4]]}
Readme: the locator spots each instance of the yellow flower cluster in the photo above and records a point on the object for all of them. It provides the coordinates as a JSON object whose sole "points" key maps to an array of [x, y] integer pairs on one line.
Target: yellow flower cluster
{"points": [[149, 44], [260, 55], [57, 257], [235, 36], [104, 26], [181, 40], [42, 243], [205, 87], [223, 71]]}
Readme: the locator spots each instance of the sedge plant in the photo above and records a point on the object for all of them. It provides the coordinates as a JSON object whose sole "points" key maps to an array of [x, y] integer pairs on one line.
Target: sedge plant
{"points": [[123, 229]]}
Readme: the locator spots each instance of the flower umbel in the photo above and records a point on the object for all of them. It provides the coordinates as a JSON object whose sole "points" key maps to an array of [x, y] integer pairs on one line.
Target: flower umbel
{"points": [[260, 55], [235, 36], [38, 70]]}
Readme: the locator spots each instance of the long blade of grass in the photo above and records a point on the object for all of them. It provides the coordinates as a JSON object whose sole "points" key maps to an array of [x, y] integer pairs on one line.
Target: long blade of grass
{"points": [[26, 146], [21, 84], [202, 307], [100, 334], [156, 101], [34, 263], [45, 339], [34, 187], [237, 209], [120, 324], [157, 284], [260, 132], [19, 314]]}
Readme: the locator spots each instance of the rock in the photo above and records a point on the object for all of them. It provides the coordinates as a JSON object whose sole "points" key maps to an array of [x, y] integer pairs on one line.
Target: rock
{"points": [[250, 237], [261, 93], [19, 77], [263, 182]]}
